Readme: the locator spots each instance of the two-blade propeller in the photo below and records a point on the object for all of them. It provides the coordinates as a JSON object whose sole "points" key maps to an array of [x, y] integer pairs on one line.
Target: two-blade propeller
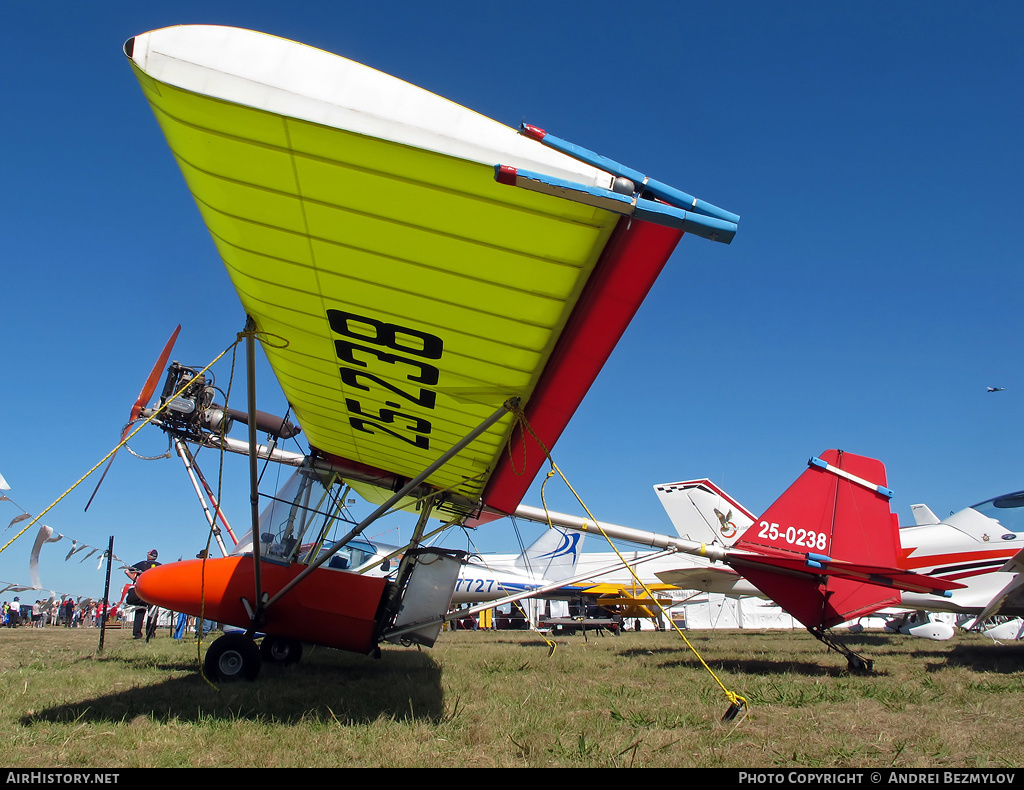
{"points": [[145, 395]]}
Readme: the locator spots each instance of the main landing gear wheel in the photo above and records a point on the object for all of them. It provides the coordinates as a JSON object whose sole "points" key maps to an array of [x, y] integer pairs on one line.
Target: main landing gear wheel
{"points": [[232, 657], [857, 664], [281, 650]]}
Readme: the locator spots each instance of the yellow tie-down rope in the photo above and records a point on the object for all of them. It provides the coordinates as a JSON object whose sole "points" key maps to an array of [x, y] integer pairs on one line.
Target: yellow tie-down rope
{"points": [[549, 642], [200, 630], [121, 444], [737, 704]]}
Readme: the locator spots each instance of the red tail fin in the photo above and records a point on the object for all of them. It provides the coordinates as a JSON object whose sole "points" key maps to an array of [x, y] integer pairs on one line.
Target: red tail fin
{"points": [[826, 551]]}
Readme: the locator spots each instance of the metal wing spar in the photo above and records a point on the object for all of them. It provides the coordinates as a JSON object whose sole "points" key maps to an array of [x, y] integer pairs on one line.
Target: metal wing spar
{"points": [[402, 288]]}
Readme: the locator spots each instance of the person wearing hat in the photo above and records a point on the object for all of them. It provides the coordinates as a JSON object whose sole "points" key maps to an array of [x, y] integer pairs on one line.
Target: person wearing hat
{"points": [[132, 598]]}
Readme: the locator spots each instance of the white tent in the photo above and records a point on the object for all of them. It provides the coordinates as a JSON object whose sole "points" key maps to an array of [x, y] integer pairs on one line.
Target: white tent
{"points": [[718, 611]]}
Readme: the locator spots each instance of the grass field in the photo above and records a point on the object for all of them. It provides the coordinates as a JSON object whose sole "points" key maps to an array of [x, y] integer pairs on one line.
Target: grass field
{"points": [[496, 699]]}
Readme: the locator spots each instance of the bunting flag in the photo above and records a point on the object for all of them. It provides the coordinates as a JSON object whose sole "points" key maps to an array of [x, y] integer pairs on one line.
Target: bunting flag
{"points": [[45, 535], [13, 587], [16, 519]]}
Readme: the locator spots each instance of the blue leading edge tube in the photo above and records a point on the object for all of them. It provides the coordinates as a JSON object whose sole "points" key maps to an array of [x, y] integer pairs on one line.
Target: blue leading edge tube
{"points": [[660, 190], [631, 206]]}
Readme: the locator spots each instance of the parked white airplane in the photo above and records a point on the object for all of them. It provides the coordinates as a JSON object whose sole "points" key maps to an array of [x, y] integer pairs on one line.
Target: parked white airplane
{"points": [[553, 557], [979, 546], [487, 577], [699, 510]]}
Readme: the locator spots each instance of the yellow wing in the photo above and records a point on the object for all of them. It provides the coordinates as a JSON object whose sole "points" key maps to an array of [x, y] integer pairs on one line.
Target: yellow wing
{"points": [[401, 293]]}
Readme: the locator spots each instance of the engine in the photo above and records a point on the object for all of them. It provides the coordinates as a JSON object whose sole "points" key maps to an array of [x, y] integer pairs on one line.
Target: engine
{"points": [[192, 412]]}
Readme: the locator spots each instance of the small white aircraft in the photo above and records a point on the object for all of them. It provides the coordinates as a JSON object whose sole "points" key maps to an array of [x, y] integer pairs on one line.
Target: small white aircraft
{"points": [[979, 546], [700, 512], [492, 577]]}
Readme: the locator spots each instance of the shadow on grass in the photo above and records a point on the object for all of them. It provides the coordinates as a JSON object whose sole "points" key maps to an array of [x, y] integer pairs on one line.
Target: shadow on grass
{"points": [[758, 666], [327, 685], [831, 664], [1005, 659]]}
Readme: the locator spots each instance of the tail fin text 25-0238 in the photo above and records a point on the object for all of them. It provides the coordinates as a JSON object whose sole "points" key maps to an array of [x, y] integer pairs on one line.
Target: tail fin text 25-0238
{"points": [[828, 549]]}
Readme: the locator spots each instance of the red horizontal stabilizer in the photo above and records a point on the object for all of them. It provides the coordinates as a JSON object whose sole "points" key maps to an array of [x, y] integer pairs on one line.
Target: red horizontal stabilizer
{"points": [[867, 574], [838, 508], [891, 577]]}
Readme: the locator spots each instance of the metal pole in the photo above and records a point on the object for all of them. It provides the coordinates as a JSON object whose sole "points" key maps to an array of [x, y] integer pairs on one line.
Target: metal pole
{"points": [[106, 593], [404, 567], [655, 540], [188, 461], [254, 492], [396, 498], [216, 505]]}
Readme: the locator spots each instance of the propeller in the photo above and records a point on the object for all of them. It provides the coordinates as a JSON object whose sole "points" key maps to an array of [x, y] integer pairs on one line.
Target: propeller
{"points": [[145, 395]]}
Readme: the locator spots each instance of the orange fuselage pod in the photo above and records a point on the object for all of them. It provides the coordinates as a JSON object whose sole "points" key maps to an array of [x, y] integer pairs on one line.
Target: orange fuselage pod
{"points": [[330, 607]]}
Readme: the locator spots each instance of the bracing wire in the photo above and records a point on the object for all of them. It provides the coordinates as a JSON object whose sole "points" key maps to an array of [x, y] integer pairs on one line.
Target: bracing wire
{"points": [[737, 704], [117, 447]]}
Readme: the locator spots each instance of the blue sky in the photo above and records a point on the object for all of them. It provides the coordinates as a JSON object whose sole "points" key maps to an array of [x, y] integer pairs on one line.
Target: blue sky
{"points": [[871, 294]]}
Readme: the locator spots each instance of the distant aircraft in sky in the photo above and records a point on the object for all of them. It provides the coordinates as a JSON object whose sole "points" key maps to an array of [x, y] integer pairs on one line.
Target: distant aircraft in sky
{"points": [[996, 389]]}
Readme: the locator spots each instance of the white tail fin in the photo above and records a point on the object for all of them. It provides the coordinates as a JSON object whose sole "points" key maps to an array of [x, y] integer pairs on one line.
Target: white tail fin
{"points": [[553, 555], [923, 515], [702, 511]]}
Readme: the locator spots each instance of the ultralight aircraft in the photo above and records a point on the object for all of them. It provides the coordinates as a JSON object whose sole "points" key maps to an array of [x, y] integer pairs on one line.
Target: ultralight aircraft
{"points": [[435, 293]]}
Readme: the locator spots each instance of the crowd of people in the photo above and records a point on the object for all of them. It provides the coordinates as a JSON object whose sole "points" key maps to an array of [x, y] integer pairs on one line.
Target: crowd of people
{"points": [[66, 612], [88, 613]]}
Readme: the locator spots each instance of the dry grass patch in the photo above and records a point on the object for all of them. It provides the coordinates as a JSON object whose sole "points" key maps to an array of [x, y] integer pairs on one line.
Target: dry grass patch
{"points": [[499, 700]]}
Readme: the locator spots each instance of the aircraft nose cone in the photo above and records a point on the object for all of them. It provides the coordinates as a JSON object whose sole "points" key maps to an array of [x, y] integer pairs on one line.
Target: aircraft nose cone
{"points": [[166, 586], [210, 588]]}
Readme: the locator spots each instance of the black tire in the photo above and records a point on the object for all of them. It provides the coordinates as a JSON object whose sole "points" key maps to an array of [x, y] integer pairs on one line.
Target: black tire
{"points": [[232, 657], [280, 650]]}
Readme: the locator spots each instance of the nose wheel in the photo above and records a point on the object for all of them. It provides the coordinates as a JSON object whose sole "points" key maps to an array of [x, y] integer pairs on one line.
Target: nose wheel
{"points": [[232, 657], [280, 650]]}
